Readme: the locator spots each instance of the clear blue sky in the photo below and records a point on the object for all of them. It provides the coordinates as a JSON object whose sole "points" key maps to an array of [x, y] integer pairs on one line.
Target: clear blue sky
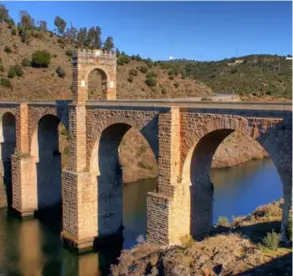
{"points": [[191, 30]]}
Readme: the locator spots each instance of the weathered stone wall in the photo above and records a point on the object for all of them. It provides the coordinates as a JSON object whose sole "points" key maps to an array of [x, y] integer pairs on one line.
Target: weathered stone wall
{"points": [[86, 61]]}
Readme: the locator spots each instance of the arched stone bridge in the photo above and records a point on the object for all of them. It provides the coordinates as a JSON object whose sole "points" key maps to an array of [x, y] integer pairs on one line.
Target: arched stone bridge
{"points": [[183, 136], [183, 140]]}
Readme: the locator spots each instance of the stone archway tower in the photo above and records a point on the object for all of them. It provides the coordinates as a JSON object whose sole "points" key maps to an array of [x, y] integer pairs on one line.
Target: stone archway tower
{"points": [[84, 62]]}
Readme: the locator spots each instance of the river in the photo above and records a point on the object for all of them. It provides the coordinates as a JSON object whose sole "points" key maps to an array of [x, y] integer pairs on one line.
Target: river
{"points": [[30, 248]]}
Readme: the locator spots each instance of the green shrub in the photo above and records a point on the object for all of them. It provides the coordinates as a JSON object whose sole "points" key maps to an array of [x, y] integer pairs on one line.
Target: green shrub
{"points": [[18, 70], [133, 72], [13, 31], [26, 62], [271, 240], [68, 53], [15, 70], [123, 59], [223, 221], [151, 75], [143, 69], [1, 68], [60, 72], [11, 73], [7, 49], [41, 58], [130, 78], [176, 85], [5, 82], [151, 81]]}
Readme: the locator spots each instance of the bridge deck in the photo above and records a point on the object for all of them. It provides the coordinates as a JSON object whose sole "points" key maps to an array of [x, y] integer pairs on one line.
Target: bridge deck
{"points": [[273, 106]]}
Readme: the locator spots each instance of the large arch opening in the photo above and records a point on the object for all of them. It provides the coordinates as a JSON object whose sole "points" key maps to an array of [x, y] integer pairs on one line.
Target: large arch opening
{"points": [[49, 148], [97, 84], [126, 170], [8, 143], [206, 183]]}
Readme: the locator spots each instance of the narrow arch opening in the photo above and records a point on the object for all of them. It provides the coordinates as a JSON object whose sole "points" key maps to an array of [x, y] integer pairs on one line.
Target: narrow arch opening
{"points": [[222, 192], [97, 84], [50, 150], [8, 143], [127, 170]]}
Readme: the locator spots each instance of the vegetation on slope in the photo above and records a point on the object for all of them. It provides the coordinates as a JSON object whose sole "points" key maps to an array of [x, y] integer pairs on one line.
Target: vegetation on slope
{"points": [[257, 75], [247, 246]]}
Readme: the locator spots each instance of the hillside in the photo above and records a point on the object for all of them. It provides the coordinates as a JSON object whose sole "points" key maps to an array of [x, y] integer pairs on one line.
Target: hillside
{"points": [[256, 75], [44, 83]]}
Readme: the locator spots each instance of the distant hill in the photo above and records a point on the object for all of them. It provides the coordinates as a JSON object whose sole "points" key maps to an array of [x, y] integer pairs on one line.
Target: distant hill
{"points": [[257, 75]]}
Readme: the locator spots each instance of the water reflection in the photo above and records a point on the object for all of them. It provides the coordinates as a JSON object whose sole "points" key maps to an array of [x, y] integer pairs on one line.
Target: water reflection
{"points": [[241, 189], [33, 247]]}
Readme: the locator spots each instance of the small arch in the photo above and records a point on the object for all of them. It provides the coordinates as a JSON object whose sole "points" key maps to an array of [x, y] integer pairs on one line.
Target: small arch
{"points": [[97, 83], [8, 144]]}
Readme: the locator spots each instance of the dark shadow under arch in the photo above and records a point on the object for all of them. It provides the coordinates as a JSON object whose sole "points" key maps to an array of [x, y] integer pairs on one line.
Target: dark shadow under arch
{"points": [[8, 144], [48, 167], [110, 180]]}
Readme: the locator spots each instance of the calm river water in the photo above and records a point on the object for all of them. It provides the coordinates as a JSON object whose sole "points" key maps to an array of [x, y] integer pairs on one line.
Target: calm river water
{"points": [[31, 248]]}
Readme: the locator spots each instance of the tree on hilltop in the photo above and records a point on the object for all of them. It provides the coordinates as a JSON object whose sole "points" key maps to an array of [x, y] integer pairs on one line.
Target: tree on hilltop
{"points": [[109, 44], [26, 21], [60, 24], [4, 13], [94, 37]]}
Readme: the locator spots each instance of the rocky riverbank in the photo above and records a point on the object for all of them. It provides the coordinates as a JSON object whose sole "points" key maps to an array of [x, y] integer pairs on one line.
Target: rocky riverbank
{"points": [[242, 247]]}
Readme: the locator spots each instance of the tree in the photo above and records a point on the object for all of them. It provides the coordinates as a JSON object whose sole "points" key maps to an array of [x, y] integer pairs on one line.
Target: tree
{"points": [[81, 37], [42, 25], [71, 33], [60, 24], [4, 15], [109, 44], [26, 21], [98, 41], [25, 26], [91, 36]]}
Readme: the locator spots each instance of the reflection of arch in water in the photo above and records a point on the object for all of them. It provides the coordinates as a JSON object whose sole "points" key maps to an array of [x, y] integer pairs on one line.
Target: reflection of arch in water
{"points": [[45, 151], [196, 169], [105, 165], [8, 142]]}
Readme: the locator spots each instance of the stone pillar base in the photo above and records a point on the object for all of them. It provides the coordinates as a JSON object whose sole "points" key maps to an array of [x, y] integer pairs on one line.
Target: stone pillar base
{"points": [[23, 213], [158, 212], [80, 246]]}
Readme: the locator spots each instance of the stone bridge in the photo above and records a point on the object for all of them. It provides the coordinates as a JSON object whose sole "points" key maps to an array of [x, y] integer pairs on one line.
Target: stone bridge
{"points": [[183, 136]]}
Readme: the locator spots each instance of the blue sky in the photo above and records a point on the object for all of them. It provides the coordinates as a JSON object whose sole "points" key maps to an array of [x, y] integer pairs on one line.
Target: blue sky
{"points": [[191, 30]]}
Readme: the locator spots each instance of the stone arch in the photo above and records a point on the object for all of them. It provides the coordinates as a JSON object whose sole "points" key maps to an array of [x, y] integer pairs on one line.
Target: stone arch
{"points": [[198, 159], [103, 82], [7, 148], [106, 171], [47, 171]]}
